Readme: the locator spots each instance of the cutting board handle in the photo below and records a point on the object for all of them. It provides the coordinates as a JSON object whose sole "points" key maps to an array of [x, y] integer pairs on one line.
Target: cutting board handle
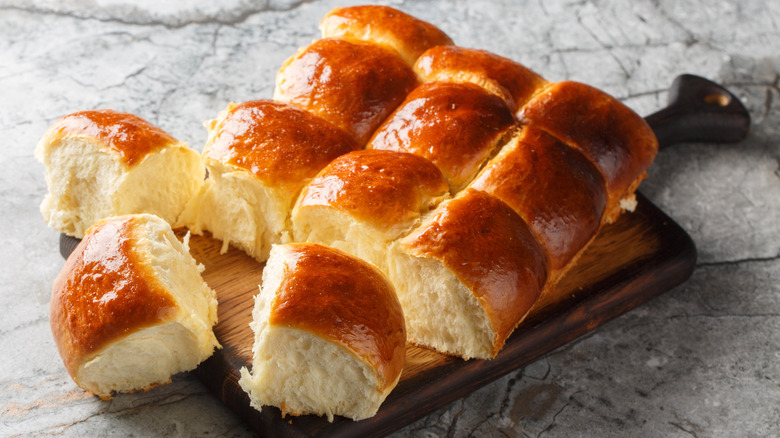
{"points": [[699, 110]]}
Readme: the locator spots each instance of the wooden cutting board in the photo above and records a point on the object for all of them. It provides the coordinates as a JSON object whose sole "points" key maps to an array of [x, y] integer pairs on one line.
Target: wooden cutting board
{"points": [[631, 261]]}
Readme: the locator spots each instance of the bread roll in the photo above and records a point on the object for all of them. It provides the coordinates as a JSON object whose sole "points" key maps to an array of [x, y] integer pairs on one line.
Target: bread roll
{"points": [[496, 74], [467, 276], [129, 308], [329, 335], [363, 200], [350, 83], [384, 26], [259, 155], [456, 126], [610, 134], [557, 191], [104, 163]]}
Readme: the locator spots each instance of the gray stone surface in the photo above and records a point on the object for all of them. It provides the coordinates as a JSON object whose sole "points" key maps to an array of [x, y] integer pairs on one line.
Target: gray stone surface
{"points": [[701, 360]]}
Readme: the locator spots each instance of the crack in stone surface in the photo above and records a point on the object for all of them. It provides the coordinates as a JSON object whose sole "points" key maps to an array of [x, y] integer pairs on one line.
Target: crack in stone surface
{"points": [[472, 431], [454, 422], [724, 316], [606, 48], [690, 39], [505, 400], [558, 412], [737, 262], [691, 433]]}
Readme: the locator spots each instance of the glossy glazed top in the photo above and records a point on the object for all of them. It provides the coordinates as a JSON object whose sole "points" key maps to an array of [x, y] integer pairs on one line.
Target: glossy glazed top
{"points": [[499, 75], [129, 136], [552, 186], [386, 189], [610, 134], [105, 292], [456, 126], [408, 35], [352, 84], [278, 143], [343, 299]]}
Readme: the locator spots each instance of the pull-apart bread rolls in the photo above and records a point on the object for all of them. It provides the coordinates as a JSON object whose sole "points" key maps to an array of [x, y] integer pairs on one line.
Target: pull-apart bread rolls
{"points": [[456, 126], [329, 335], [259, 154], [129, 308], [104, 163], [468, 275], [365, 199], [560, 159]]}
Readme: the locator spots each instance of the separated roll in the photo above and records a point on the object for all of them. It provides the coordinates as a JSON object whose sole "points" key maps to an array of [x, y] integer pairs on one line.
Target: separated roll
{"points": [[103, 163], [329, 335], [129, 308]]}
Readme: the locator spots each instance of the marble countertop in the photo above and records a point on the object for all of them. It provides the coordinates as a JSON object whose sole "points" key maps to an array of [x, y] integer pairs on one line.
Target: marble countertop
{"points": [[701, 360]]}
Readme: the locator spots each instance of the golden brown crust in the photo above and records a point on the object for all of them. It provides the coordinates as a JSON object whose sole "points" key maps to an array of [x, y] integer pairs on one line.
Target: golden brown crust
{"points": [[553, 187], [499, 75], [352, 84], [104, 292], [610, 134], [129, 136], [491, 251], [388, 190], [456, 126], [408, 35], [276, 142], [331, 294]]}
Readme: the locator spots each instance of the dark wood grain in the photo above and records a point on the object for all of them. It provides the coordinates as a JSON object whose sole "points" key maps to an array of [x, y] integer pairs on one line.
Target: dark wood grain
{"points": [[631, 261]]}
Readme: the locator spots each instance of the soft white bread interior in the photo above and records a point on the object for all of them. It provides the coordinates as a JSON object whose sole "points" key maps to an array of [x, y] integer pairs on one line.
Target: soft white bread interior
{"points": [[467, 276], [441, 312], [329, 335], [130, 309], [259, 154], [238, 209], [103, 163]]}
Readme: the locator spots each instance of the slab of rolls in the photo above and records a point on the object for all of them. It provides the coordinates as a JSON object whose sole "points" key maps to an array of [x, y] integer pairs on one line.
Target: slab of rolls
{"points": [[469, 181]]}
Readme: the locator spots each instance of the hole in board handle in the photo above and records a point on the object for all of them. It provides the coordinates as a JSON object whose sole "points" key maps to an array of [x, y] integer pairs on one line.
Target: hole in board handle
{"points": [[717, 99]]}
